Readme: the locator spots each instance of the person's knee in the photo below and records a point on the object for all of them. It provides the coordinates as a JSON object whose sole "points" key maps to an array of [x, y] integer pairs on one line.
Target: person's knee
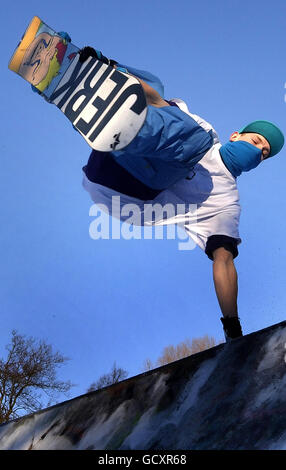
{"points": [[152, 96]]}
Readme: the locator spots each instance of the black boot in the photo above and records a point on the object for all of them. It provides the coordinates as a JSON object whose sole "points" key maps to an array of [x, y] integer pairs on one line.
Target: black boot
{"points": [[88, 51], [231, 327]]}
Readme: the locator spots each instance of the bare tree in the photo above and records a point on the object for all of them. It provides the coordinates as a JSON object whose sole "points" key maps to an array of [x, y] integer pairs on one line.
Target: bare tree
{"points": [[185, 348], [147, 364], [28, 371], [116, 375]]}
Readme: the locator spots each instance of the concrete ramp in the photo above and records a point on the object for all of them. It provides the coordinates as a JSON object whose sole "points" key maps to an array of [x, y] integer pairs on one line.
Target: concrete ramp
{"points": [[232, 396]]}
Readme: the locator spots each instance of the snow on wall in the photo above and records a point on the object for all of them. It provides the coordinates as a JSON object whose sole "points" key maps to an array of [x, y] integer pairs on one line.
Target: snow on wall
{"points": [[232, 396]]}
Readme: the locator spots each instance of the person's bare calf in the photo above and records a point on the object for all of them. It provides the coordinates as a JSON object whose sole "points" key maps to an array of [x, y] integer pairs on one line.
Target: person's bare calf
{"points": [[152, 96]]}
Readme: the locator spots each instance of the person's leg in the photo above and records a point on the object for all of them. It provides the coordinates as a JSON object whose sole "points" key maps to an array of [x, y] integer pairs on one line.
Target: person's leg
{"points": [[168, 146], [101, 168], [152, 96]]}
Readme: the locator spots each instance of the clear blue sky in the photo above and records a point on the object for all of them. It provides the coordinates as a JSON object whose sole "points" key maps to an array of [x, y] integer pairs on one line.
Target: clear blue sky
{"points": [[105, 300]]}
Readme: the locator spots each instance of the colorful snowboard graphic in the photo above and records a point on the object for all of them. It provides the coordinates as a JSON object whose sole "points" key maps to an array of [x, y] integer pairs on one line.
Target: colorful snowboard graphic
{"points": [[106, 106]]}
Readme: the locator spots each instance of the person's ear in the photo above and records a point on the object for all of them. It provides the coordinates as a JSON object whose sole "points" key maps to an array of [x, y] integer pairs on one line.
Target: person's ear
{"points": [[234, 136]]}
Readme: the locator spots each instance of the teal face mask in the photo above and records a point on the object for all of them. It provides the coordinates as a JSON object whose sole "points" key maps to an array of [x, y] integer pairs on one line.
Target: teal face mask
{"points": [[240, 156]]}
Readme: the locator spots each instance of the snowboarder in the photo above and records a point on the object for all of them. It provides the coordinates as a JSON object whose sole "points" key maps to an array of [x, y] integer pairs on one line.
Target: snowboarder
{"points": [[177, 158]]}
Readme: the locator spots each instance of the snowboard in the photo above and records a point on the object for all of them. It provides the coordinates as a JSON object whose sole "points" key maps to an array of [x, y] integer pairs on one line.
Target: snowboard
{"points": [[107, 106]]}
